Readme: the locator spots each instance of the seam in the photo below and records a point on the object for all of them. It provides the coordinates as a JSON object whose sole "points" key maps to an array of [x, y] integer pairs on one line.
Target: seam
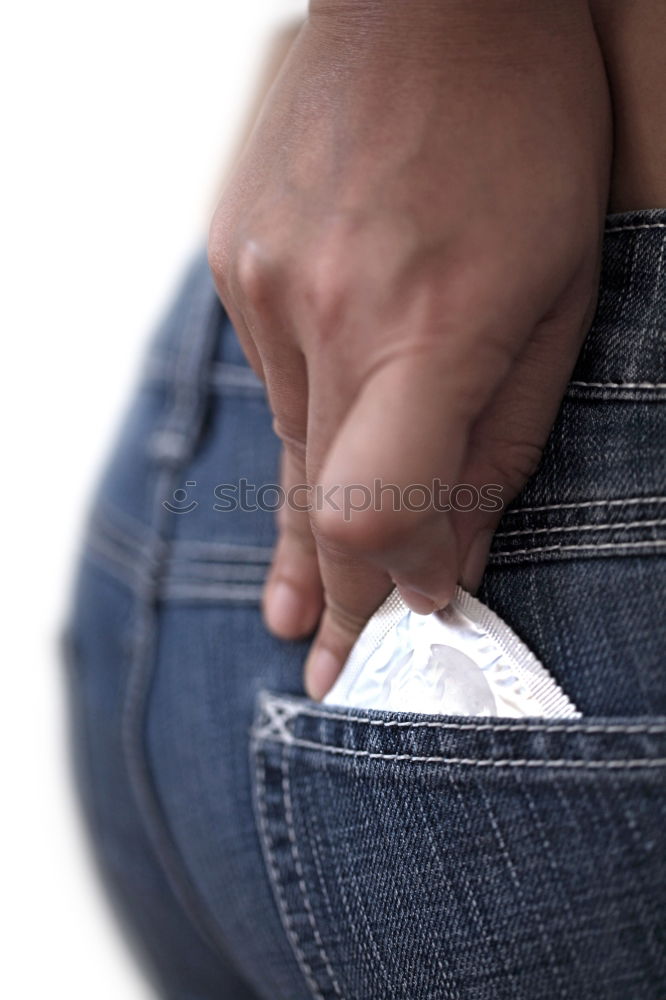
{"points": [[291, 833], [275, 877], [184, 416], [222, 374], [498, 762], [226, 374], [620, 385], [115, 565], [590, 547], [136, 546], [513, 727], [583, 527], [521, 894], [183, 550], [217, 572], [642, 225], [238, 593], [584, 503], [127, 527]]}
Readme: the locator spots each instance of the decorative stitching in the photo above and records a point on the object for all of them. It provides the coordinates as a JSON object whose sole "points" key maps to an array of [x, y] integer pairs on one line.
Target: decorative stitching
{"points": [[295, 709], [221, 374], [594, 547], [514, 871], [620, 385], [107, 549], [238, 592], [224, 374], [199, 572], [116, 568], [278, 713], [300, 875], [585, 503], [222, 551], [276, 881], [643, 225], [582, 527], [614, 765]]}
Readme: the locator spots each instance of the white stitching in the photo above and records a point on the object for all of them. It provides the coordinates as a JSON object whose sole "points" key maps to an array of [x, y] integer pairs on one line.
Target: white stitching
{"points": [[593, 547], [225, 374], [620, 385], [277, 714], [511, 727], [289, 819], [582, 527], [221, 552], [484, 762], [585, 503], [220, 572], [277, 883], [246, 593], [644, 225]]}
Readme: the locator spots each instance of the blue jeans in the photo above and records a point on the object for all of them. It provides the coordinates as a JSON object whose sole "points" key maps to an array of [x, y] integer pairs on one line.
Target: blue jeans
{"points": [[260, 845]]}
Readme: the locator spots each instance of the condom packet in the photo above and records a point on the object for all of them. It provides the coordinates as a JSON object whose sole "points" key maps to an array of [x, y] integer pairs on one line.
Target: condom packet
{"points": [[462, 661]]}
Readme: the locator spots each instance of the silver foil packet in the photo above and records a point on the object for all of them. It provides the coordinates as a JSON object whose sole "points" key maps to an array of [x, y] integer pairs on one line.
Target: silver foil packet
{"points": [[463, 660]]}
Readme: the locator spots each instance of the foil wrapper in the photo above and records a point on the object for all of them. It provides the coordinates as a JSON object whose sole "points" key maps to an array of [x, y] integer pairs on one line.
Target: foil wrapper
{"points": [[462, 661]]}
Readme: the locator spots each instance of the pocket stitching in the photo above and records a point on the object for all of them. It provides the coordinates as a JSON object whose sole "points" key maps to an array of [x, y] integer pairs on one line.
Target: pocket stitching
{"points": [[289, 709], [276, 883], [622, 501], [291, 833], [609, 526], [611, 765], [589, 546]]}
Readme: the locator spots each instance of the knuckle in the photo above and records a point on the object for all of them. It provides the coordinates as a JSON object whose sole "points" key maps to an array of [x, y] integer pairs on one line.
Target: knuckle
{"points": [[291, 431], [368, 532], [253, 269], [340, 619], [243, 260], [326, 287]]}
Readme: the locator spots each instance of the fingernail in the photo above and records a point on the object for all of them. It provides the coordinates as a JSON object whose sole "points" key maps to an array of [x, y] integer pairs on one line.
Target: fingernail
{"points": [[417, 602], [283, 610], [321, 671], [475, 563]]}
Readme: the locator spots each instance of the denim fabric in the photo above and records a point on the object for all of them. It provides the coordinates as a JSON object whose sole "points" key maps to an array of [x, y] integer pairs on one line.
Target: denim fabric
{"points": [[262, 847]]}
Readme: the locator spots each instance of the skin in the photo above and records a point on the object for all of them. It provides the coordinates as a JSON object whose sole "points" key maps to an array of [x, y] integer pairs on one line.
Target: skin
{"points": [[632, 34], [409, 249]]}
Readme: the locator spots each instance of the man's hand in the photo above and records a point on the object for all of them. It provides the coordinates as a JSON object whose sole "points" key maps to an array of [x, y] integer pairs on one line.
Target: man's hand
{"points": [[409, 250]]}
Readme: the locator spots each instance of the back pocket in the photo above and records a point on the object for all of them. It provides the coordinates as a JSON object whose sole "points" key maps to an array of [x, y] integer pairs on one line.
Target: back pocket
{"points": [[416, 857]]}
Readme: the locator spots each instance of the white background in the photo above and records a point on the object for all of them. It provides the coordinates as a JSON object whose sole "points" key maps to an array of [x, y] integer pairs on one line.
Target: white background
{"points": [[115, 121]]}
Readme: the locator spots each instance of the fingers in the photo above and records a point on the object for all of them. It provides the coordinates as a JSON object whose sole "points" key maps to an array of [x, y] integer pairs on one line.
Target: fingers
{"points": [[408, 422], [293, 596], [507, 440], [406, 427], [354, 590], [395, 433]]}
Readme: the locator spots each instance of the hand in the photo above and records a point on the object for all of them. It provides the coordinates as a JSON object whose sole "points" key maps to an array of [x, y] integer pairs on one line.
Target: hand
{"points": [[409, 250]]}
